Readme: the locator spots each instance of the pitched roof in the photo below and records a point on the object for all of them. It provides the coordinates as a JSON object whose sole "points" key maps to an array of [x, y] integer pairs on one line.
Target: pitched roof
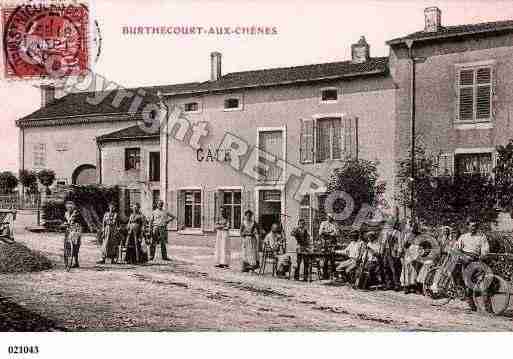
{"points": [[456, 31], [290, 75], [136, 132], [81, 104], [77, 104]]}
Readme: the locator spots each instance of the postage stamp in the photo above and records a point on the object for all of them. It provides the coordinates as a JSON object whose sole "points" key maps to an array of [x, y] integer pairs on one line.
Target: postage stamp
{"points": [[45, 40]]}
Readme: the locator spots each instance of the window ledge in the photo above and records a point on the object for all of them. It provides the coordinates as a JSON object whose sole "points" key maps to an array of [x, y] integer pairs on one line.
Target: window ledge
{"points": [[190, 231], [473, 125], [232, 109], [328, 101]]}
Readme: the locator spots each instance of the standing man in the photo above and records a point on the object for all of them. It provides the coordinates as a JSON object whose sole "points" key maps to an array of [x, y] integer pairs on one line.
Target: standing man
{"points": [[391, 255], [328, 233], [158, 224], [300, 233]]}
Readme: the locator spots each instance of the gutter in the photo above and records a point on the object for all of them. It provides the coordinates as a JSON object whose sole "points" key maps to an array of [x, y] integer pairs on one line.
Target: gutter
{"points": [[410, 44]]}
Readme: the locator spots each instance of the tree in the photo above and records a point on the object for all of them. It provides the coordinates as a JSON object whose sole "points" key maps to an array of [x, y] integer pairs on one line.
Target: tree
{"points": [[8, 182], [28, 178], [46, 177], [359, 179], [504, 176]]}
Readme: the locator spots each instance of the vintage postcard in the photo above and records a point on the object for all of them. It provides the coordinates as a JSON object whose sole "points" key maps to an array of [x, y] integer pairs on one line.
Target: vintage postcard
{"points": [[186, 166]]}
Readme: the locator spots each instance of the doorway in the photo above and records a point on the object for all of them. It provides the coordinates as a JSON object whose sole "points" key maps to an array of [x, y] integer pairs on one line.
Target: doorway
{"points": [[269, 208]]}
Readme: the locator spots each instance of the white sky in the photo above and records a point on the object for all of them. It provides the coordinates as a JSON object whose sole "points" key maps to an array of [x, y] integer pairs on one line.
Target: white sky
{"points": [[308, 32]]}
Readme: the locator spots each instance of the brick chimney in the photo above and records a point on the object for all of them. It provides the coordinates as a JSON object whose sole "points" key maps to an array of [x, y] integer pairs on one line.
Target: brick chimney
{"points": [[215, 66], [432, 19], [47, 94], [360, 52]]}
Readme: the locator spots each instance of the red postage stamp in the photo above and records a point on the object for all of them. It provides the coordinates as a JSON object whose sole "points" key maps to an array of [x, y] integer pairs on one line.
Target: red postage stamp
{"points": [[45, 41]]}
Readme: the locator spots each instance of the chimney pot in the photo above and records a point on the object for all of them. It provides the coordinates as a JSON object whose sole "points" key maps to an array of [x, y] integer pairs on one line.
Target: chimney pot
{"points": [[360, 52], [47, 95], [432, 19], [215, 66]]}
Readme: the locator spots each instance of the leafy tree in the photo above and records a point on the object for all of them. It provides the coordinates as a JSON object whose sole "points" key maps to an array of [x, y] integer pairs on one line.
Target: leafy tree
{"points": [[8, 182], [46, 177], [359, 179], [504, 176], [28, 178]]}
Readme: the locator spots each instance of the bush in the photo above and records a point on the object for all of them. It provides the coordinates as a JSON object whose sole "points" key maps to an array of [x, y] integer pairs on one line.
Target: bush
{"points": [[46, 177], [8, 182], [52, 211]]}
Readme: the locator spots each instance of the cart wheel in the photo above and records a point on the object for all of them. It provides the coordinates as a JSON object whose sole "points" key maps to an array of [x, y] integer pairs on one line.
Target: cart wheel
{"points": [[68, 255], [493, 294]]}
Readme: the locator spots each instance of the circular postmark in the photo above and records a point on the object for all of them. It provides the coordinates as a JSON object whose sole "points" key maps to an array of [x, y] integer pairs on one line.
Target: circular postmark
{"points": [[45, 40]]}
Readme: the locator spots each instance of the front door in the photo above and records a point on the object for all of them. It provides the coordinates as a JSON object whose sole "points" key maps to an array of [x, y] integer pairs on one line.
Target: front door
{"points": [[269, 208]]}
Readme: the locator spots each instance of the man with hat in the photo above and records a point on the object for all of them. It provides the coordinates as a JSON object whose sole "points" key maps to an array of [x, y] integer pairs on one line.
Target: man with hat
{"points": [[328, 233], [390, 252]]}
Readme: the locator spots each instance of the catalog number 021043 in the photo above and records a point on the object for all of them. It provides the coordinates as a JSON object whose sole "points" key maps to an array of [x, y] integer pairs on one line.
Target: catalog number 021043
{"points": [[23, 349]]}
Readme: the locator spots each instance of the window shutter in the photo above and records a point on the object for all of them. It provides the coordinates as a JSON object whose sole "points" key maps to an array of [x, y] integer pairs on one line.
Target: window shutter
{"points": [[172, 207], [126, 160], [180, 212], [219, 204], [466, 95], [307, 141], [483, 93], [350, 137], [247, 201], [208, 204]]}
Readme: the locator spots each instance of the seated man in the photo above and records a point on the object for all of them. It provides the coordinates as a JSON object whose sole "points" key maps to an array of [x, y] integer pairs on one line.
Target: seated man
{"points": [[353, 251], [274, 240], [470, 247]]}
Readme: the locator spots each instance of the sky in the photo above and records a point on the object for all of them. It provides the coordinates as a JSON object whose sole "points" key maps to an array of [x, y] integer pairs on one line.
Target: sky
{"points": [[307, 33]]}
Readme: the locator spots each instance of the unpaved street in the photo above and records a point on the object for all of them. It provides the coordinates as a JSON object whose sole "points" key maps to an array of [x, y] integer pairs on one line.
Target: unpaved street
{"points": [[189, 294]]}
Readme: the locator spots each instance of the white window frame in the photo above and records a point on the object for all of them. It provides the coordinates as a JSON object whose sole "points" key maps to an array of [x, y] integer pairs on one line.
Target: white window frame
{"points": [[474, 123], [233, 232], [475, 151], [193, 230], [238, 97], [321, 101], [283, 130]]}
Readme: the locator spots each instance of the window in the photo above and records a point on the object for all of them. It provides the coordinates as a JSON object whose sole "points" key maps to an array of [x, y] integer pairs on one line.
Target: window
{"points": [[329, 95], [40, 155], [191, 107], [304, 210], [328, 139], [475, 163], [231, 203], [444, 166], [192, 210], [154, 166], [132, 196], [232, 103], [132, 158], [155, 197], [475, 94]]}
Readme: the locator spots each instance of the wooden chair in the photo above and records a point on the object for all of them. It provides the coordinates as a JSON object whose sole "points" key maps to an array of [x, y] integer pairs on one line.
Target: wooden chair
{"points": [[268, 255]]}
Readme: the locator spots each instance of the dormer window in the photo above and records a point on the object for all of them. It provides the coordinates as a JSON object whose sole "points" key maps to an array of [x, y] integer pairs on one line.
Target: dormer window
{"points": [[232, 103], [329, 95], [191, 107]]}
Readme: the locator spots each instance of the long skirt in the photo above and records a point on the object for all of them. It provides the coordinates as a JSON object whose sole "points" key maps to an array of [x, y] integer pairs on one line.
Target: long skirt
{"points": [[249, 252], [110, 243], [222, 247]]}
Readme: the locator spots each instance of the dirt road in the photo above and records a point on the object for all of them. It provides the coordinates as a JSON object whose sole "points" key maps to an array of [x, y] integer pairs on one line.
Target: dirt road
{"points": [[189, 294]]}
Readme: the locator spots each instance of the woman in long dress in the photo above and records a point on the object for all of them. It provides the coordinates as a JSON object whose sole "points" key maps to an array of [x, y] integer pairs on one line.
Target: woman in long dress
{"points": [[411, 251], [249, 237], [110, 227], [134, 240], [223, 242]]}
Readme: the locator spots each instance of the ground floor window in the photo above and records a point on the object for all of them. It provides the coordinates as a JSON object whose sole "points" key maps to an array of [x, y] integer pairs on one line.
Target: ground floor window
{"points": [[231, 203], [132, 196], [192, 208], [474, 163]]}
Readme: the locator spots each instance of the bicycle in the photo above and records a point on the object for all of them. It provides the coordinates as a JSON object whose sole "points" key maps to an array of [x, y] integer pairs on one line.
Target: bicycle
{"points": [[487, 291]]}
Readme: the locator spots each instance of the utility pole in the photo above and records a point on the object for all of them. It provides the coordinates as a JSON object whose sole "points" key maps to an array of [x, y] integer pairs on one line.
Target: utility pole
{"points": [[409, 43]]}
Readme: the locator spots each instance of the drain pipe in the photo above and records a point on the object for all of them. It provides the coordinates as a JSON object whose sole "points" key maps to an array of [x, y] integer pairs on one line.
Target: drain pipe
{"points": [[409, 44]]}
